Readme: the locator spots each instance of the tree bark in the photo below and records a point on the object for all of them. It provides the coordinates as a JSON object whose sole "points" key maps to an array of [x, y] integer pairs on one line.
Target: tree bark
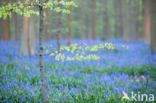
{"points": [[118, 19], [59, 25], [2, 29], [69, 25], [89, 20], [16, 23], [93, 20], [106, 26], [136, 9], [125, 20], [32, 36], [46, 26], [81, 20], [153, 25], [25, 37], [7, 29], [146, 21], [43, 79], [28, 38], [20, 33], [133, 19]]}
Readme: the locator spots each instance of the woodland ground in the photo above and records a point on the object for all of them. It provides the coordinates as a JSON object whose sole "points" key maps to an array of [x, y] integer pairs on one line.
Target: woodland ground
{"points": [[128, 67]]}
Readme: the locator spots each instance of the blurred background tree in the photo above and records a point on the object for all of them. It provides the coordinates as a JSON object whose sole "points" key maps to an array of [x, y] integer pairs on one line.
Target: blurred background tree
{"points": [[146, 21], [93, 19], [27, 36], [153, 25]]}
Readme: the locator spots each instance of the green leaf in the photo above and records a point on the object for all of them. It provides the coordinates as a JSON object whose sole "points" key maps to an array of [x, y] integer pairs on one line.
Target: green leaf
{"points": [[51, 54]]}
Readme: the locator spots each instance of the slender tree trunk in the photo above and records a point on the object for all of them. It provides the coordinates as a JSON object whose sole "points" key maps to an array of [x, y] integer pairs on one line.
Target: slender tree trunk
{"points": [[106, 26], [146, 21], [58, 35], [13, 35], [32, 36], [1, 26], [81, 21], [28, 38], [137, 7], [25, 37], [69, 25], [16, 23], [44, 89], [20, 33], [131, 20], [7, 29], [59, 25], [93, 20], [1, 31], [118, 19], [89, 20], [46, 26], [19, 28], [153, 25], [125, 20]]}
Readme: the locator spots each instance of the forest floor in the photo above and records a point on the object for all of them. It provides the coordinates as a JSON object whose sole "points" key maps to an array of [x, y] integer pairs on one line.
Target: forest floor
{"points": [[121, 68]]}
